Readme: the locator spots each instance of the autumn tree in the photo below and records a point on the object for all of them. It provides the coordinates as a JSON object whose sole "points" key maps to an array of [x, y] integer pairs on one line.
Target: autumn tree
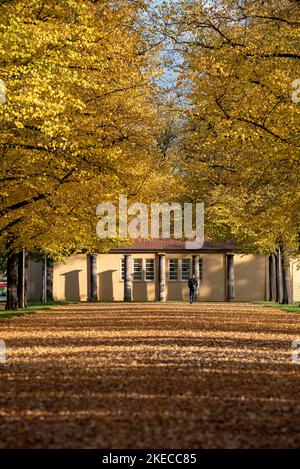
{"points": [[80, 122], [241, 146]]}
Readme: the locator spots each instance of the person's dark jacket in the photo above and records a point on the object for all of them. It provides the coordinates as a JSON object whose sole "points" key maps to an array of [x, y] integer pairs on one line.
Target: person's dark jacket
{"points": [[193, 284]]}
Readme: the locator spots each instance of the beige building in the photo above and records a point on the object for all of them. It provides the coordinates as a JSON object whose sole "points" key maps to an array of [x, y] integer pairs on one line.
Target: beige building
{"points": [[153, 270]]}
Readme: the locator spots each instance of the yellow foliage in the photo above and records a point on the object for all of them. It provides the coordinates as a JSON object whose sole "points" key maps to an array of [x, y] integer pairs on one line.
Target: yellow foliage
{"points": [[240, 153], [80, 122]]}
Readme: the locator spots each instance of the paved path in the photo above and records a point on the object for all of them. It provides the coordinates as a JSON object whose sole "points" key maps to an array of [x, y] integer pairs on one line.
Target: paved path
{"points": [[150, 375]]}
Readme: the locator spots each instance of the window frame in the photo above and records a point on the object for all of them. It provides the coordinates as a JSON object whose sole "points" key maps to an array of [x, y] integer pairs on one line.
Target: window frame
{"points": [[169, 270], [181, 270], [122, 266], [145, 270], [142, 269], [201, 269]]}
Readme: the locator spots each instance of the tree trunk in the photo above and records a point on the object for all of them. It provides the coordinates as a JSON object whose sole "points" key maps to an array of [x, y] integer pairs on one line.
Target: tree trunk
{"points": [[26, 279], [93, 277], [286, 276], [49, 280], [272, 277], [22, 279], [12, 281]]}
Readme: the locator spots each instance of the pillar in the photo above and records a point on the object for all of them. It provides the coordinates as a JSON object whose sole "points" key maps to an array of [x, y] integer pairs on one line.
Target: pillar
{"points": [[279, 295], [127, 278], [161, 277], [286, 278], [44, 279], [93, 278], [196, 269], [230, 277], [272, 277]]}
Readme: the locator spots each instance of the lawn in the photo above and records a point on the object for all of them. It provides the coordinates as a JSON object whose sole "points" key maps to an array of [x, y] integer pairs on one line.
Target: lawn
{"points": [[295, 308], [33, 307]]}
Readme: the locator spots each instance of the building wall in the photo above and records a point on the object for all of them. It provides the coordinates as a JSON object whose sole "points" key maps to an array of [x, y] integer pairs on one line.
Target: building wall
{"points": [[110, 285], [175, 290], [35, 280], [212, 286], [296, 280], [251, 277], [71, 280]]}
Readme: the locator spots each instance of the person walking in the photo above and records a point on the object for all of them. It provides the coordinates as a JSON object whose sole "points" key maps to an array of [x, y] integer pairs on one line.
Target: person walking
{"points": [[193, 286]]}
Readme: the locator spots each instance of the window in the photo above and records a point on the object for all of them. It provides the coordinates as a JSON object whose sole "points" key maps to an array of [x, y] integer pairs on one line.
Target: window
{"points": [[173, 269], [185, 269], [149, 274], [122, 268], [137, 270], [201, 269]]}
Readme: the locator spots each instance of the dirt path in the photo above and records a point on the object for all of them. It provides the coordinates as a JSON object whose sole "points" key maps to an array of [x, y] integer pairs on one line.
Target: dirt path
{"points": [[150, 376]]}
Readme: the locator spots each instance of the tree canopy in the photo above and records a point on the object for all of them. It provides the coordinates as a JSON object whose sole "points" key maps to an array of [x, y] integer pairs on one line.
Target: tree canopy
{"points": [[87, 116], [240, 152], [81, 121]]}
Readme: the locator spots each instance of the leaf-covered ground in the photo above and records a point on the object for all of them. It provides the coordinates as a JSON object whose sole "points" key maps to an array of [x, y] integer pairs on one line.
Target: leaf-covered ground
{"points": [[150, 375]]}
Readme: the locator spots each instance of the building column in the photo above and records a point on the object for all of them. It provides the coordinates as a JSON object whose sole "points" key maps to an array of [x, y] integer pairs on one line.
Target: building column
{"points": [[286, 277], [93, 278], [272, 277], [127, 278], [230, 277], [196, 269], [161, 277], [279, 278]]}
